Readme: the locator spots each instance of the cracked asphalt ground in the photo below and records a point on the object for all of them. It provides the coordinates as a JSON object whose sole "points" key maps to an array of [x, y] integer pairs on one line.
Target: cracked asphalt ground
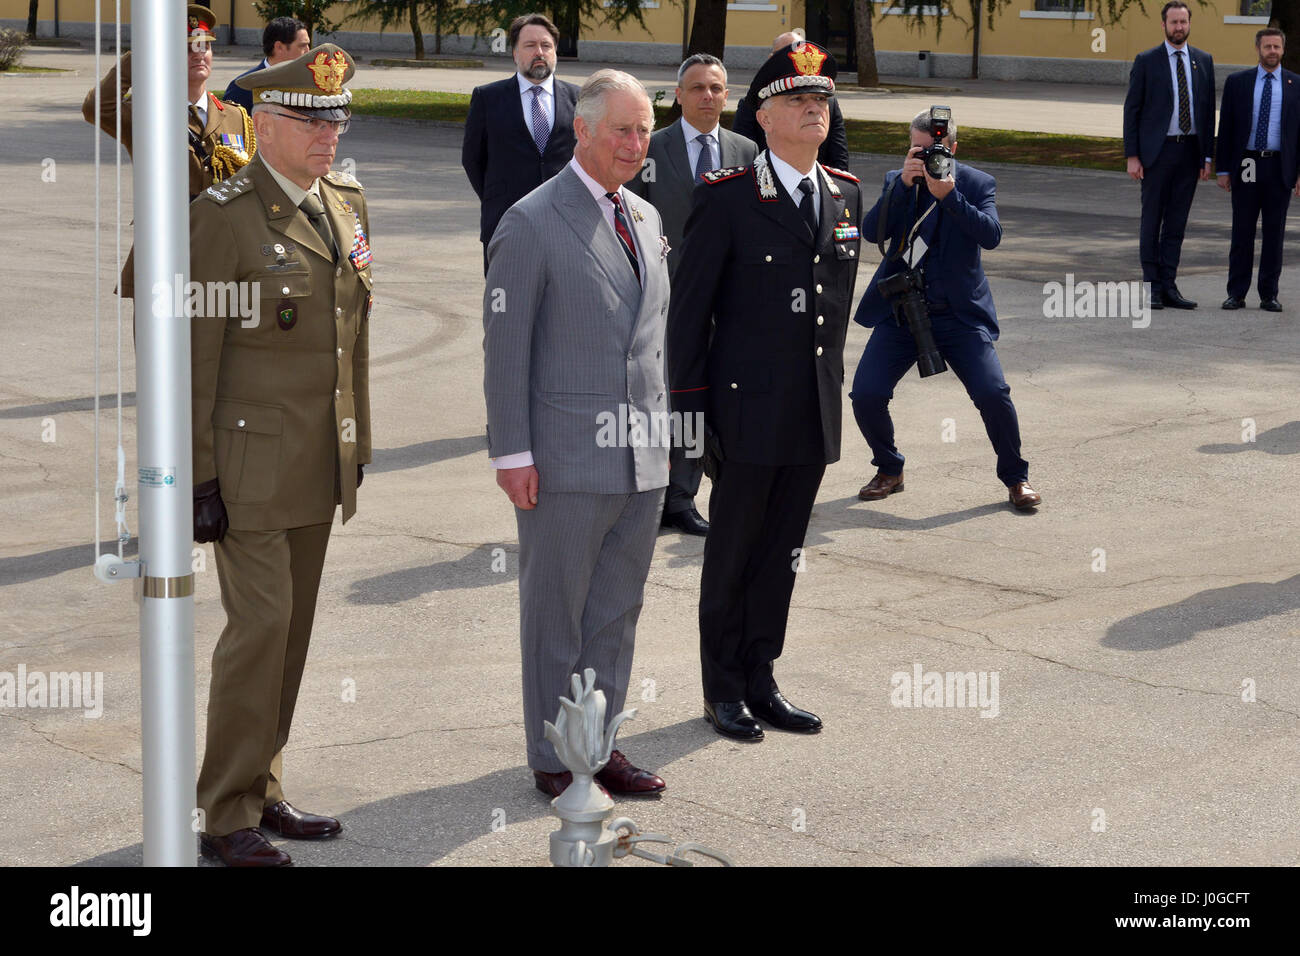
{"points": [[1125, 622]]}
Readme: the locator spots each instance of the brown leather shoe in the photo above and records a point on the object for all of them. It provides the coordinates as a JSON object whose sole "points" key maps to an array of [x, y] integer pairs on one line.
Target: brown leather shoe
{"points": [[554, 784], [1024, 497], [247, 847], [620, 776], [881, 486], [283, 819]]}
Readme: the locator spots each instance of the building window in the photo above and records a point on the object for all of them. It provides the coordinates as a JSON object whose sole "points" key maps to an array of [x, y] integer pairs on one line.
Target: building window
{"points": [[1256, 8], [1066, 6]]}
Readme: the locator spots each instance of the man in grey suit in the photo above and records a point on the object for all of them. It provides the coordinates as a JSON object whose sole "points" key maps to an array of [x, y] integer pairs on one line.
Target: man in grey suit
{"points": [[679, 156], [574, 315]]}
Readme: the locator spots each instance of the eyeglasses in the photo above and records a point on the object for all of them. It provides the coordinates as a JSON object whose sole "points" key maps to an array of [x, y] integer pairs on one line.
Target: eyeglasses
{"points": [[317, 126]]}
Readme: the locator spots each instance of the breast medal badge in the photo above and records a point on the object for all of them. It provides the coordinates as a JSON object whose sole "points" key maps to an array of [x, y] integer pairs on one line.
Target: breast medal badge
{"points": [[360, 254]]}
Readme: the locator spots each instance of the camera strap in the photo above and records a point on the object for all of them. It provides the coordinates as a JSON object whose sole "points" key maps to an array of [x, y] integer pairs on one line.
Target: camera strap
{"points": [[882, 227]]}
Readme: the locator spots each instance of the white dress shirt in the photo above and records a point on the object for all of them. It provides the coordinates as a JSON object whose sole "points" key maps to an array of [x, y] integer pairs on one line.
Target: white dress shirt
{"points": [[790, 179], [1174, 129], [693, 146], [526, 96]]}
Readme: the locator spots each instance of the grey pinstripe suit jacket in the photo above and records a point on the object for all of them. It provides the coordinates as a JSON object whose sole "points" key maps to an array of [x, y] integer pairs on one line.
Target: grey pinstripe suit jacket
{"points": [[569, 334]]}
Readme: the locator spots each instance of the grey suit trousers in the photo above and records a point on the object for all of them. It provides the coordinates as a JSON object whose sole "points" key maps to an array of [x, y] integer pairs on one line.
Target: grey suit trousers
{"points": [[583, 561]]}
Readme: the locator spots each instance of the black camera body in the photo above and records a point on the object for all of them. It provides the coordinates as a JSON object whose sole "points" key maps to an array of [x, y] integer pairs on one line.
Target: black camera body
{"points": [[905, 293], [938, 157]]}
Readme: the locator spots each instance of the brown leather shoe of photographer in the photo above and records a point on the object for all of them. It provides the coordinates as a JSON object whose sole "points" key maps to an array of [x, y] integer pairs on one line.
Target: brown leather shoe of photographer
{"points": [[1024, 497], [881, 486]]}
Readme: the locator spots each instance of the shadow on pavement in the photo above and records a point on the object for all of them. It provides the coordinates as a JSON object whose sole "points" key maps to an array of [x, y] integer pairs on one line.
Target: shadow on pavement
{"points": [[1210, 610], [1283, 440], [23, 568], [425, 453], [430, 824], [474, 570]]}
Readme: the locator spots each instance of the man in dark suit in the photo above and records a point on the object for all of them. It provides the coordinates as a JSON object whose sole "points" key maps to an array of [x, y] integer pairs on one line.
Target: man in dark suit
{"points": [[952, 219], [834, 152], [284, 39], [679, 157], [1169, 141], [519, 132], [756, 327], [1259, 148]]}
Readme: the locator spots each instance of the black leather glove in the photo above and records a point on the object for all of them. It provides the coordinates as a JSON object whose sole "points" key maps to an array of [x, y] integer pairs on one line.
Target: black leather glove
{"points": [[210, 519], [361, 474], [713, 456]]}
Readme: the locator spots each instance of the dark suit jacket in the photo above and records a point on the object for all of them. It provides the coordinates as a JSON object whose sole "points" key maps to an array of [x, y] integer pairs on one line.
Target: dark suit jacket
{"points": [[834, 152], [668, 182], [1151, 100], [758, 316], [237, 94], [1237, 122], [968, 222], [499, 155]]}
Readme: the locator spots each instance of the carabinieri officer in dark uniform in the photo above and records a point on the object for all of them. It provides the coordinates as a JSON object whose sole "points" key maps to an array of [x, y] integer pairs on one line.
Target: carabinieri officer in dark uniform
{"points": [[756, 328]]}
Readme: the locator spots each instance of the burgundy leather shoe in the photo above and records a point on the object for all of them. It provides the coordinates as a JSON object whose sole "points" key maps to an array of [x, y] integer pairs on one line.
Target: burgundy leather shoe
{"points": [[554, 784], [248, 847], [283, 819], [620, 776], [1024, 497], [881, 486]]}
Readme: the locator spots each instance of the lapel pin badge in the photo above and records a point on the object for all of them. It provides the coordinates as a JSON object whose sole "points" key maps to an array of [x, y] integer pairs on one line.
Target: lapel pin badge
{"points": [[664, 248]]}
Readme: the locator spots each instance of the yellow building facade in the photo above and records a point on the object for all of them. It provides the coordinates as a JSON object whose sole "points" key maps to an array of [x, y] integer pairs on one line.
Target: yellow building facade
{"points": [[1030, 39]]}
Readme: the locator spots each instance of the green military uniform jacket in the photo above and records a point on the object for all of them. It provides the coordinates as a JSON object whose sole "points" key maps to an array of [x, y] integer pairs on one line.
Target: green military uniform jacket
{"points": [[227, 123], [281, 409]]}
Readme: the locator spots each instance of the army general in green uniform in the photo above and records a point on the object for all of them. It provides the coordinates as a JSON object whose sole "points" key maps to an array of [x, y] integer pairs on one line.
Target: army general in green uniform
{"points": [[281, 412]]}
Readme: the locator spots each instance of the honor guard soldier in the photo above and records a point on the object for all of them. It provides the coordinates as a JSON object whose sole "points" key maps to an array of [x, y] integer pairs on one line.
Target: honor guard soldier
{"points": [[281, 410], [221, 139], [756, 328]]}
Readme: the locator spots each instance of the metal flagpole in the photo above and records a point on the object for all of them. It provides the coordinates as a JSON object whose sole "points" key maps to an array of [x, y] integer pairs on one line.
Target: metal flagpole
{"points": [[162, 243]]}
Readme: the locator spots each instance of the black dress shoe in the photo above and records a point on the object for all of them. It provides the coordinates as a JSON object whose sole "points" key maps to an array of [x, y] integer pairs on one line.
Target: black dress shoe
{"points": [[1157, 298], [247, 847], [1234, 302], [1174, 299], [687, 522], [1270, 305], [732, 718], [283, 818], [779, 712]]}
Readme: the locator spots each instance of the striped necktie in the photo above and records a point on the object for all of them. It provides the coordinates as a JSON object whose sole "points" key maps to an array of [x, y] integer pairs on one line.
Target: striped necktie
{"points": [[624, 234]]}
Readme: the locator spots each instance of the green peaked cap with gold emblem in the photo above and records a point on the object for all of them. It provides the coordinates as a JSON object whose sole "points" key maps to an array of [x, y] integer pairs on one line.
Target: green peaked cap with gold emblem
{"points": [[311, 85]]}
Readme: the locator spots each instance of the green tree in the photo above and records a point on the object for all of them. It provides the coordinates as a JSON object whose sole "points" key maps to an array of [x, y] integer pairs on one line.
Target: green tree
{"points": [[445, 15], [310, 12], [571, 16]]}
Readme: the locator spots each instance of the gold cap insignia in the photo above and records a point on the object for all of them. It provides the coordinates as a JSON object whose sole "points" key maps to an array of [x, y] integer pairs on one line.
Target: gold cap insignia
{"points": [[328, 71], [807, 59]]}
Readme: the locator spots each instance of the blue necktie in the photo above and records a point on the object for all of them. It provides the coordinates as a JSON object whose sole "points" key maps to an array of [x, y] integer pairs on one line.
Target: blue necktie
{"points": [[541, 126], [704, 162], [1265, 107]]}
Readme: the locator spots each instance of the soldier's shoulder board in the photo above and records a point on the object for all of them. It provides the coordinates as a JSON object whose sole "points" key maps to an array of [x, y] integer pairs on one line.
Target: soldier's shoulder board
{"points": [[722, 175], [340, 178], [841, 173]]}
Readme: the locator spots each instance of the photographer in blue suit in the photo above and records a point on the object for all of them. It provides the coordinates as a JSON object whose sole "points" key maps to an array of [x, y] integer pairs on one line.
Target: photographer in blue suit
{"points": [[939, 226]]}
